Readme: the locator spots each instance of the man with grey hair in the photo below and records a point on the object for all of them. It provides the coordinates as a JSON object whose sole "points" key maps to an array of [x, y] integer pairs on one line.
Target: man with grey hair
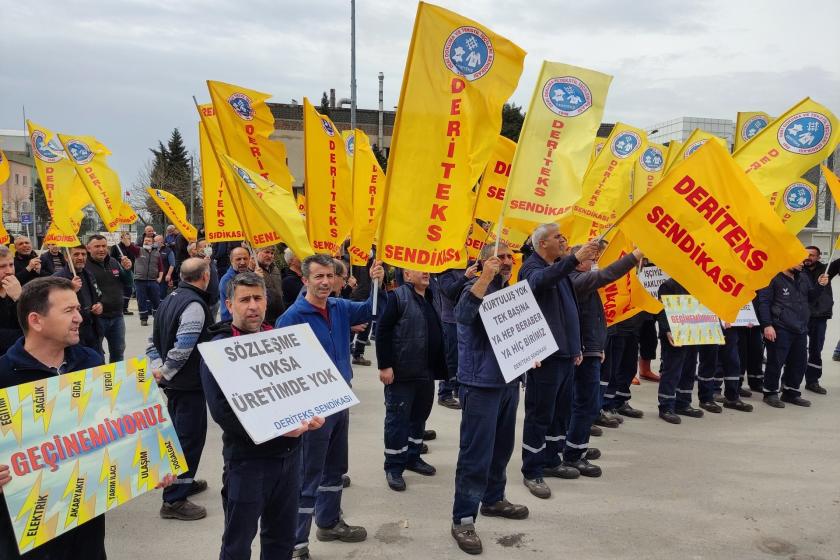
{"points": [[27, 264], [181, 323], [548, 390], [488, 421], [325, 450], [292, 282], [10, 290]]}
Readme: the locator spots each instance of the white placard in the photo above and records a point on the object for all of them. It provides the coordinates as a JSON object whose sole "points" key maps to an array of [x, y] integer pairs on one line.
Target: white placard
{"points": [[652, 277], [746, 317], [517, 328], [275, 379]]}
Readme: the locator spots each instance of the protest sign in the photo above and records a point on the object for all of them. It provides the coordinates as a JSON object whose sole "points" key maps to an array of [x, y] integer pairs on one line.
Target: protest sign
{"points": [[517, 329], [273, 380], [652, 277], [80, 444], [691, 322], [746, 317]]}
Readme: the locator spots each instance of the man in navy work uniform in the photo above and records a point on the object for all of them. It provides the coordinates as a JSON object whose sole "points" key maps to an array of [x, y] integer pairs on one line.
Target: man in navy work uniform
{"points": [[489, 403], [410, 356], [48, 310], [325, 450], [548, 390], [783, 312], [181, 323], [260, 483], [586, 401]]}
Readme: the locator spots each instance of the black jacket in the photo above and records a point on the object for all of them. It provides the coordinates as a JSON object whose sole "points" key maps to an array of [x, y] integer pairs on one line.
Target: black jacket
{"points": [[23, 275], [47, 263], [822, 306], [109, 278], [236, 443], [89, 294], [409, 336], [593, 324], [167, 321], [10, 329], [450, 284], [19, 366], [785, 303]]}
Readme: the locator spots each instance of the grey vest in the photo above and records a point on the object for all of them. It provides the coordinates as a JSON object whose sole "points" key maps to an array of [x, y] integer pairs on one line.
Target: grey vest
{"points": [[147, 264]]}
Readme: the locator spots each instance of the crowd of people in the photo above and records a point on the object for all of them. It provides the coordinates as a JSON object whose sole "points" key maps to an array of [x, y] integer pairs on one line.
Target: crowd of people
{"points": [[59, 310]]}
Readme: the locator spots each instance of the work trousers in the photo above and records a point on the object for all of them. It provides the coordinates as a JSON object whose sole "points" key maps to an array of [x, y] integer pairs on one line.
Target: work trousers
{"points": [[585, 407], [148, 297], [751, 355], [188, 412], [407, 407], [676, 383], [449, 387], [618, 369], [816, 341], [789, 353]]}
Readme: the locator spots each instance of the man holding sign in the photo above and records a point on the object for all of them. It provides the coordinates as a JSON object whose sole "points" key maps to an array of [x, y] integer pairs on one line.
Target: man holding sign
{"points": [[325, 451], [489, 403], [260, 482]]}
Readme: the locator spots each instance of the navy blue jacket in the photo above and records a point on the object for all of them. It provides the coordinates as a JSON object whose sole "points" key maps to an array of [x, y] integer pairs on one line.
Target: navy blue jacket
{"points": [[555, 295], [450, 284], [477, 364], [19, 366], [785, 302]]}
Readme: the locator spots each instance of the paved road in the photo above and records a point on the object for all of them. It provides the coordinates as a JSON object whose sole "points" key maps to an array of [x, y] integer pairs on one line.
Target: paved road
{"points": [[761, 485]]}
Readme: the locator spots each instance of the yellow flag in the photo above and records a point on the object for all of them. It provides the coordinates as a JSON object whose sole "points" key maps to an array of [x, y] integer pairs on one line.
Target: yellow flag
{"points": [[5, 168], [329, 192], [556, 142], [256, 229], [709, 228], [606, 186], [596, 148], [175, 211], [675, 148], [4, 235], [479, 236], [797, 205], [277, 206], [246, 124], [368, 193], [457, 78], [127, 215], [220, 220], [783, 151], [89, 156], [648, 168], [494, 180], [695, 140], [833, 183], [748, 124], [625, 297], [63, 190], [301, 204]]}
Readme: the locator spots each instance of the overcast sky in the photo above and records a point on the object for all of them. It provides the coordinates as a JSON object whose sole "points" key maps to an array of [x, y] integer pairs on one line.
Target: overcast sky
{"points": [[125, 70]]}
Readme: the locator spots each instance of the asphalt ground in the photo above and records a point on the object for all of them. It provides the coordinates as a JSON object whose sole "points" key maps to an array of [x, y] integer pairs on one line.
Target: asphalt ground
{"points": [[737, 485]]}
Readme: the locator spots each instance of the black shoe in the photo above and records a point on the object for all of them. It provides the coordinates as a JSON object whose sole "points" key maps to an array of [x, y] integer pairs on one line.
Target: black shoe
{"points": [[836, 357], [738, 405], [607, 421], [345, 481], [690, 411], [718, 397], [343, 532], [184, 510], [126, 312], [537, 487], [584, 467], [670, 417], [561, 471], [429, 435], [197, 487], [301, 554], [595, 431], [711, 406], [450, 402], [796, 400], [424, 449], [504, 508], [626, 410], [395, 481], [360, 361], [592, 454], [421, 467], [144, 322], [744, 393], [815, 387], [467, 538], [774, 401]]}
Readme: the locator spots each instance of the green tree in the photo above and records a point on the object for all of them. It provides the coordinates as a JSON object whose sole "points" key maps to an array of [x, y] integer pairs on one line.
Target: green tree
{"points": [[512, 118], [171, 171]]}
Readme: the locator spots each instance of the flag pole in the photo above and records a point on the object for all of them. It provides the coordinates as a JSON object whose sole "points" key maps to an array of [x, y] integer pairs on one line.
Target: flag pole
{"points": [[70, 261]]}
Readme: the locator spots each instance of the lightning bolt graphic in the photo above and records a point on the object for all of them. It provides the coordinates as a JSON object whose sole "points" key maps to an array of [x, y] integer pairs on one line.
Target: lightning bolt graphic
{"points": [[10, 421], [33, 508], [79, 397], [138, 368]]}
